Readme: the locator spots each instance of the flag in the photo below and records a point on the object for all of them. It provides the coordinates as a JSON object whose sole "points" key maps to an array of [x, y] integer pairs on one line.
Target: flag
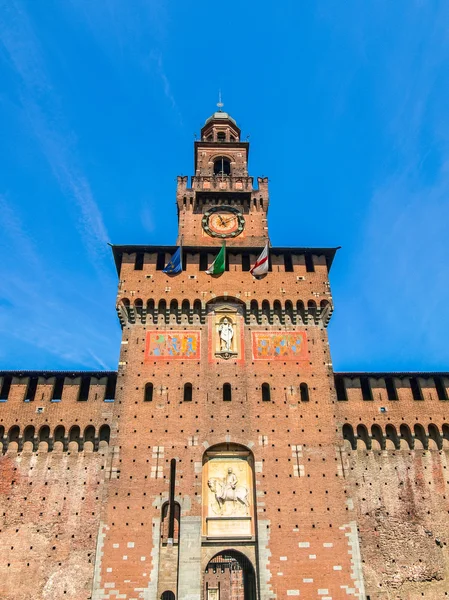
{"points": [[218, 266], [174, 265], [261, 266]]}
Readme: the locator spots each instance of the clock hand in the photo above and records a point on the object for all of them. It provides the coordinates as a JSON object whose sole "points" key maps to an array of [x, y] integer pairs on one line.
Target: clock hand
{"points": [[230, 219]]}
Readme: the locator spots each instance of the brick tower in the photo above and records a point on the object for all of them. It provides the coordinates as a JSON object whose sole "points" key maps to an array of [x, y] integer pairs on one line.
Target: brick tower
{"points": [[227, 481], [224, 460]]}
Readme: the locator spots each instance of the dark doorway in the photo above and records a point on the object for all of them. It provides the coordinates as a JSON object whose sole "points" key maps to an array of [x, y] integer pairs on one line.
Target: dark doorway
{"points": [[229, 575], [168, 595]]}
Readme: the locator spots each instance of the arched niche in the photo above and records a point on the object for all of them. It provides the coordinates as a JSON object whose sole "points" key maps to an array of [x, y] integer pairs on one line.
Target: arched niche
{"points": [[225, 320], [228, 492]]}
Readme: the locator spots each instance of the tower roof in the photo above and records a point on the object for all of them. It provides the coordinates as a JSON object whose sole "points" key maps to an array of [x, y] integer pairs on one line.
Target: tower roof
{"points": [[220, 115]]}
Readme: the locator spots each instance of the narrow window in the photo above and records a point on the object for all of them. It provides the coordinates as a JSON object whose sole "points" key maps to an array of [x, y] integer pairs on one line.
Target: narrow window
{"points": [[310, 267], [188, 392], [246, 266], [441, 389], [83, 394], [110, 388], [221, 136], [57, 389], [138, 264], [340, 387], [203, 261], [266, 392], [391, 388], [288, 263], [6, 386], [148, 392], [30, 393], [304, 392], [227, 392], [367, 393], [416, 389], [160, 261]]}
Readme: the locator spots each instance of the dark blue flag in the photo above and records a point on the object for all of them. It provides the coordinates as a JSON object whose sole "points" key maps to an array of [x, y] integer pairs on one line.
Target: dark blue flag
{"points": [[174, 265]]}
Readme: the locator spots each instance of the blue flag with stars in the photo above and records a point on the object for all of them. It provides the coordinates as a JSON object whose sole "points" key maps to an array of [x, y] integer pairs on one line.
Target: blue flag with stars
{"points": [[174, 265]]}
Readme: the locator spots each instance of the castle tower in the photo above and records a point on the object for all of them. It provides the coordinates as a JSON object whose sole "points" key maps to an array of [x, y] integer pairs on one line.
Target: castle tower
{"points": [[227, 481]]}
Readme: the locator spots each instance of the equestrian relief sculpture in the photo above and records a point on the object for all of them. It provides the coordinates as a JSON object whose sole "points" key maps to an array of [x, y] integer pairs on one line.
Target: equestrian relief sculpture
{"points": [[228, 492]]}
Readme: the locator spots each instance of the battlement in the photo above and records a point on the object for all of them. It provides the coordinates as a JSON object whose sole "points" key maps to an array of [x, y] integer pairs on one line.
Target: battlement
{"points": [[392, 387]]}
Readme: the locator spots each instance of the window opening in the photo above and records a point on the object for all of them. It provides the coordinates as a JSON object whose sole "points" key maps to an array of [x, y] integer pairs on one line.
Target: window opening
{"points": [[110, 388], [148, 392], [57, 389], [391, 388], [266, 392], [6, 386], [367, 393], [30, 393], [310, 267], [340, 387], [84, 389], [227, 392], [160, 261], [440, 387], [222, 166], [188, 392], [138, 264], [416, 389], [304, 392], [288, 263]]}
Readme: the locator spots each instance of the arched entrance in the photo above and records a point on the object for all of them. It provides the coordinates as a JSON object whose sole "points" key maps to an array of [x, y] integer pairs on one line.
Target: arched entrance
{"points": [[229, 575]]}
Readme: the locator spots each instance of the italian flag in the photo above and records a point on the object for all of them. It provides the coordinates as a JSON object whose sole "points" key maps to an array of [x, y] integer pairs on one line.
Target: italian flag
{"points": [[261, 265], [218, 266]]}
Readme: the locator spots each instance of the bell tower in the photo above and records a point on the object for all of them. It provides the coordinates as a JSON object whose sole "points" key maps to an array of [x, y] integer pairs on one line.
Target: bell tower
{"points": [[222, 202]]}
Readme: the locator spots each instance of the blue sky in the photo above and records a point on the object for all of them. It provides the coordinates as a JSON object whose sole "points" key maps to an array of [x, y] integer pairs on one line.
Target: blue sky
{"points": [[346, 107]]}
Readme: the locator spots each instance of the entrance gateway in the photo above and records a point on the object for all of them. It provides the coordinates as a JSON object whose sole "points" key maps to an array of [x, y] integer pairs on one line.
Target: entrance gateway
{"points": [[229, 575]]}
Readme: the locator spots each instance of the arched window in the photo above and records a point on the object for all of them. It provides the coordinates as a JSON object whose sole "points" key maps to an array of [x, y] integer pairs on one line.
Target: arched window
{"points": [[89, 434], [74, 434], [277, 310], [44, 433], [266, 392], [404, 430], [165, 523], [227, 392], [188, 392], [289, 312], [304, 392], [420, 435], [148, 392], [105, 432], [348, 434], [59, 434], [222, 166], [377, 435], [28, 434], [391, 434], [221, 136], [434, 435], [362, 434]]}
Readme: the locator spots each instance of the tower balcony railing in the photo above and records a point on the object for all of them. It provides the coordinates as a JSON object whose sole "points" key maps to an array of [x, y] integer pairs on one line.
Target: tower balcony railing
{"points": [[222, 182]]}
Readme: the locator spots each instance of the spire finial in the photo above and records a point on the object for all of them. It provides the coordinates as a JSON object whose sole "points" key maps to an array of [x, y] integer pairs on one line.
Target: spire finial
{"points": [[219, 103]]}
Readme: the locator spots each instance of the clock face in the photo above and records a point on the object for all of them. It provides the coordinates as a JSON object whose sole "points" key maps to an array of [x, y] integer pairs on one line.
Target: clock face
{"points": [[223, 221]]}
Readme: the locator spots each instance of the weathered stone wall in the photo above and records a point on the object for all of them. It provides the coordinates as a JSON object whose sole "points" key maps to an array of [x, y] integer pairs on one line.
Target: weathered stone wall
{"points": [[50, 504]]}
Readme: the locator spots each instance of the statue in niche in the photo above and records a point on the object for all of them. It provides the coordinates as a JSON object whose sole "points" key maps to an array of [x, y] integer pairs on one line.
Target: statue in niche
{"points": [[226, 331], [227, 490]]}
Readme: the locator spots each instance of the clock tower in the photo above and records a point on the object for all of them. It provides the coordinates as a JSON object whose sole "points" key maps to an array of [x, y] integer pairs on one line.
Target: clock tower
{"points": [[222, 202]]}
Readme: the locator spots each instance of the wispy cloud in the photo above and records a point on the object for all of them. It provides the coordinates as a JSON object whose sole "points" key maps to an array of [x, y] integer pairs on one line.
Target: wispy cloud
{"points": [[37, 313], [45, 114]]}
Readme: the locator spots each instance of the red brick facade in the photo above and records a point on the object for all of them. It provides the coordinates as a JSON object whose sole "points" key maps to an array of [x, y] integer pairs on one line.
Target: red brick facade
{"points": [[340, 480]]}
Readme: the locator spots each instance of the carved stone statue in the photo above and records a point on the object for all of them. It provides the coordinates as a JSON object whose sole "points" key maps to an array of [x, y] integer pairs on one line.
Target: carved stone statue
{"points": [[226, 331]]}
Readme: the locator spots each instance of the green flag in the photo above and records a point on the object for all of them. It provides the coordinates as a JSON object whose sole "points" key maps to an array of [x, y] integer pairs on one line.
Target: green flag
{"points": [[218, 266]]}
